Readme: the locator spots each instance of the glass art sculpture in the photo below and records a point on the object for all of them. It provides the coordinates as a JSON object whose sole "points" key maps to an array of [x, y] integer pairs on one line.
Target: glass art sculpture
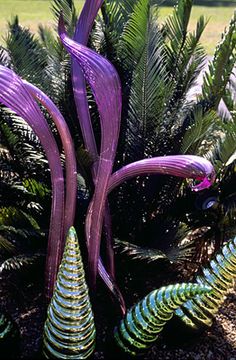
{"points": [[142, 324], [69, 331], [200, 311]]}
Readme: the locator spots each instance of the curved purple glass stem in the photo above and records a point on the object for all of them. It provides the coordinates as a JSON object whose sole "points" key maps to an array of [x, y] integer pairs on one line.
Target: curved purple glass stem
{"points": [[70, 158], [14, 94], [101, 75], [82, 31], [185, 166]]}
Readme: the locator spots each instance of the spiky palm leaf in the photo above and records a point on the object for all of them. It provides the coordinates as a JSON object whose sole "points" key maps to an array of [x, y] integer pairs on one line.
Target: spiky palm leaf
{"points": [[6, 245], [177, 253], [201, 128], [139, 253], [67, 7], [27, 56], [21, 262], [158, 65], [221, 66]]}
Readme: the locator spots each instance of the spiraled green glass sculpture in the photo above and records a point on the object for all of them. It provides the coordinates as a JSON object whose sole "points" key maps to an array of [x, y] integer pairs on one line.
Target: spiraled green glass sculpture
{"points": [[200, 311], [6, 328], [69, 331], [143, 323]]}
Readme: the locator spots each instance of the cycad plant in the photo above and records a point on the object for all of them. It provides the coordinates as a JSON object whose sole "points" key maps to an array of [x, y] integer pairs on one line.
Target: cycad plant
{"points": [[158, 64], [133, 80]]}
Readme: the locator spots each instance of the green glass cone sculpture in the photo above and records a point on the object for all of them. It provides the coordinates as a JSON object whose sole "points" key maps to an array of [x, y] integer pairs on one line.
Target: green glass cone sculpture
{"points": [[7, 328], [69, 331], [143, 323], [199, 312]]}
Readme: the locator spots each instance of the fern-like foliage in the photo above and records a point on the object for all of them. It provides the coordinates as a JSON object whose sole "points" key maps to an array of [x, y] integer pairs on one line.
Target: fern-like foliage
{"points": [[138, 253], [25, 184], [27, 56], [6, 245], [158, 65], [67, 7], [153, 99], [202, 126], [177, 253], [143, 323], [20, 262]]}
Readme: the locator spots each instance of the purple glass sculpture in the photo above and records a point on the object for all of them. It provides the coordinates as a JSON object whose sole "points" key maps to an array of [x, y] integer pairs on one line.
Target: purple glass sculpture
{"points": [[103, 79], [15, 95]]}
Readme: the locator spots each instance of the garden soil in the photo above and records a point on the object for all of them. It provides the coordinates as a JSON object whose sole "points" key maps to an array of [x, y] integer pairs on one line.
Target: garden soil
{"points": [[23, 301]]}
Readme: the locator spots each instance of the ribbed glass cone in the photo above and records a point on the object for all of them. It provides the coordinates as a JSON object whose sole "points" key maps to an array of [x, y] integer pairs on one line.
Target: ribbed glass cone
{"points": [[69, 331], [143, 323], [6, 327], [220, 275]]}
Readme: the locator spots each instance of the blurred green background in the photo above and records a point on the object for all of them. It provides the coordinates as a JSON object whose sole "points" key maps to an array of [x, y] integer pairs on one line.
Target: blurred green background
{"points": [[33, 12]]}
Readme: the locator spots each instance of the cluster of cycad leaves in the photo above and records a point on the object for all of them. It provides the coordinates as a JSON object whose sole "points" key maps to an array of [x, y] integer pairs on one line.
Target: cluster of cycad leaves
{"points": [[155, 216]]}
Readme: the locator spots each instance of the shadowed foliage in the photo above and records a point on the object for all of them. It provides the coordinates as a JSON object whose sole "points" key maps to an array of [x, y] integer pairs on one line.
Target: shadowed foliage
{"points": [[159, 64]]}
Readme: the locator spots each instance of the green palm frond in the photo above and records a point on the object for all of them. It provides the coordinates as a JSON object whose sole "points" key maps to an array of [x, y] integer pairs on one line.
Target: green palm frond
{"points": [[6, 245], [132, 42], [185, 58], [139, 253], [12, 215], [176, 25], [27, 56], [48, 40], [230, 102], [24, 151], [14, 233], [21, 262], [114, 17], [143, 52], [183, 50], [28, 194], [67, 7], [36, 188], [4, 58], [85, 162], [223, 153], [202, 125], [177, 253], [221, 67]]}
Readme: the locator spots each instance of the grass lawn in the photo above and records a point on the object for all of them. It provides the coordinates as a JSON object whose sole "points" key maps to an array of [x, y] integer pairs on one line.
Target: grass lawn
{"points": [[33, 12], [219, 18]]}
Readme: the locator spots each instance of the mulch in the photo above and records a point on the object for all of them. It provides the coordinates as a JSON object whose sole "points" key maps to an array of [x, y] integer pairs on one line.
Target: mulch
{"points": [[24, 303]]}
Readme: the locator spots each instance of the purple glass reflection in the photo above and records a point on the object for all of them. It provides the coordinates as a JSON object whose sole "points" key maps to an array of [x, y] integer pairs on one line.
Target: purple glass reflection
{"points": [[185, 166], [14, 94], [82, 31], [70, 158], [105, 84]]}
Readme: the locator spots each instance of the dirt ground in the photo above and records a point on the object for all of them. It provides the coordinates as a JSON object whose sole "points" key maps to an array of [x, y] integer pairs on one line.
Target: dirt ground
{"points": [[24, 303]]}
